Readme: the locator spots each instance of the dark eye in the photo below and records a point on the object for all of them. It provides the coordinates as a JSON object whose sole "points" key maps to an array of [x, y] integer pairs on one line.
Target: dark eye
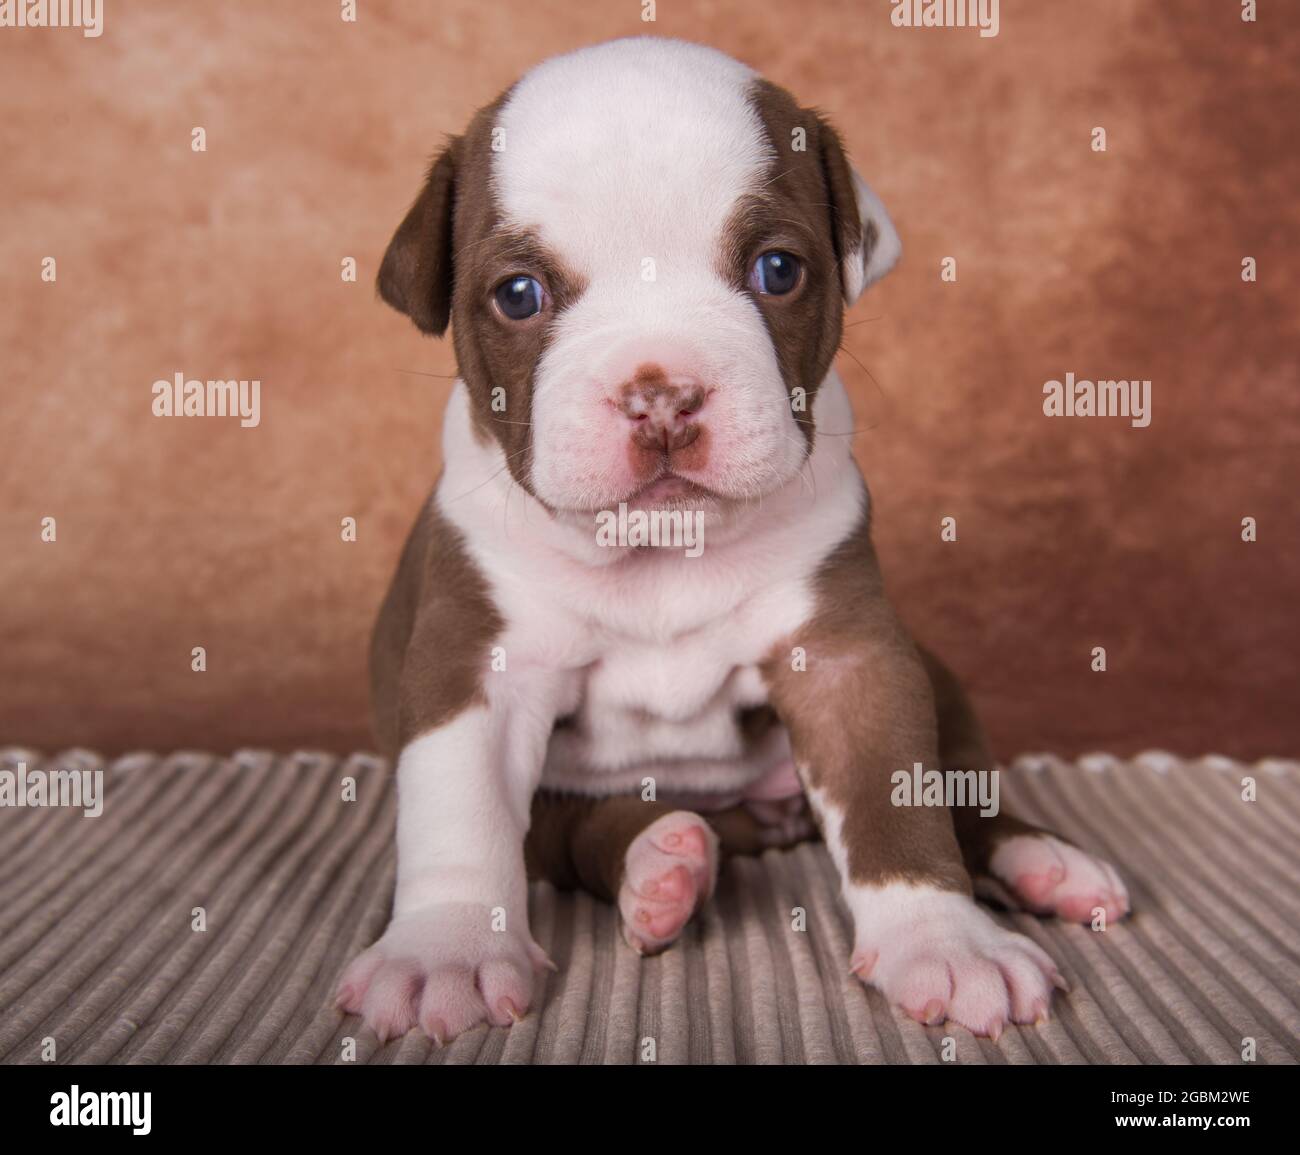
{"points": [[775, 273], [519, 298]]}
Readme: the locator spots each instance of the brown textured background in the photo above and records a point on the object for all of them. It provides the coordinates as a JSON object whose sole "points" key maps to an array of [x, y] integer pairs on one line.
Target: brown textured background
{"points": [[177, 533]]}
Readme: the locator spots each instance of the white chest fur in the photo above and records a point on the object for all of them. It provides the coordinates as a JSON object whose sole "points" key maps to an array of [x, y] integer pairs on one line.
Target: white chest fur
{"points": [[649, 658], [672, 710]]}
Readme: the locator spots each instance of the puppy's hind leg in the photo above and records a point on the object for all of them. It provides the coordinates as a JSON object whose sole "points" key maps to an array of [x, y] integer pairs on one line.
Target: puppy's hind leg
{"points": [[1038, 869], [656, 862]]}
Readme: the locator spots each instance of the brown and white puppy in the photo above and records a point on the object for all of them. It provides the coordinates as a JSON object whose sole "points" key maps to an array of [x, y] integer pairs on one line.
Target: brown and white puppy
{"points": [[645, 252]]}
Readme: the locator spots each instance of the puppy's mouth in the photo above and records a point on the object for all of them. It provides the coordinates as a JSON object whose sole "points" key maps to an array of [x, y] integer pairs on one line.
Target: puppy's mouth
{"points": [[669, 491]]}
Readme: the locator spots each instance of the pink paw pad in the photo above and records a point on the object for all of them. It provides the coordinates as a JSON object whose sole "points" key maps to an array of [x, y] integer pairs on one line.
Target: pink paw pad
{"points": [[1049, 876], [669, 870]]}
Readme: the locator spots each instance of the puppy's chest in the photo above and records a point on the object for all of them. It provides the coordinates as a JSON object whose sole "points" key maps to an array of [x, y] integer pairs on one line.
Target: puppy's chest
{"points": [[674, 682], [690, 712]]}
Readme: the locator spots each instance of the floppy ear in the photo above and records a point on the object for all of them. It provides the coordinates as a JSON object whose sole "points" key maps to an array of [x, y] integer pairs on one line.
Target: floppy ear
{"points": [[416, 275], [866, 241]]}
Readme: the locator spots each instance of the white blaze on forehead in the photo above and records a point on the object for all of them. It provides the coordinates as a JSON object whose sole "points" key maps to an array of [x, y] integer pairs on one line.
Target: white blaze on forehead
{"points": [[630, 150]]}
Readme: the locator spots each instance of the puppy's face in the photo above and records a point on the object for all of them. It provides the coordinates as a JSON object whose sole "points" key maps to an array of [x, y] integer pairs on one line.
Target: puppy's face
{"points": [[644, 251]]}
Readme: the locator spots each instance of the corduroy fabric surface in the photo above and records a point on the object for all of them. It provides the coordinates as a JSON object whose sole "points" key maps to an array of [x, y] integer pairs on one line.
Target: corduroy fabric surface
{"points": [[97, 949]]}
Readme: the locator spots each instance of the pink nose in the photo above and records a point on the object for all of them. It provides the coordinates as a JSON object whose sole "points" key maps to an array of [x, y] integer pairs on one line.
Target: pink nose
{"points": [[662, 410]]}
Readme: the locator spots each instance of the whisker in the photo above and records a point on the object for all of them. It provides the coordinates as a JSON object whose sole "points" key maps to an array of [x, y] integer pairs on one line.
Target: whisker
{"points": [[879, 388], [505, 465], [783, 173], [812, 424], [845, 349], [418, 373]]}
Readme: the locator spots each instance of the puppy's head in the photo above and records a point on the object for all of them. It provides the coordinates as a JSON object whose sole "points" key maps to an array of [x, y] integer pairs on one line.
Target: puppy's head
{"points": [[644, 251]]}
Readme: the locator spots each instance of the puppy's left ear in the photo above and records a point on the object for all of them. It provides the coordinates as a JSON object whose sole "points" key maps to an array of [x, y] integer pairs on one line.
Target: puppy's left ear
{"points": [[866, 242]]}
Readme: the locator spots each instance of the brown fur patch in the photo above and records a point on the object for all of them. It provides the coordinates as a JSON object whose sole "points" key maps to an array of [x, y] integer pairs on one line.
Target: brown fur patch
{"points": [[578, 841], [445, 261], [846, 216], [860, 711], [962, 746], [431, 645], [804, 207]]}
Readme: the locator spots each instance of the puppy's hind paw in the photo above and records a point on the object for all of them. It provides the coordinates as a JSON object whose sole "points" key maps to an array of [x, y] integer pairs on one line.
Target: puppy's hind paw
{"points": [[669, 870]]}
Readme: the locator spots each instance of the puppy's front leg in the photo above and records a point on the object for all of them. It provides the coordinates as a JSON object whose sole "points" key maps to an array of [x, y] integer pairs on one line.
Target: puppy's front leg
{"points": [[851, 689], [458, 949]]}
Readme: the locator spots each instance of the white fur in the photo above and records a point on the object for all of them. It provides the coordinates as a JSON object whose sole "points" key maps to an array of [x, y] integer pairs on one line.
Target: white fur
{"points": [[653, 650], [464, 779]]}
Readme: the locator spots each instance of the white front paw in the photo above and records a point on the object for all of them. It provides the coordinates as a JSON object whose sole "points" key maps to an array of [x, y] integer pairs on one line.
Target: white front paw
{"points": [[940, 957], [448, 968]]}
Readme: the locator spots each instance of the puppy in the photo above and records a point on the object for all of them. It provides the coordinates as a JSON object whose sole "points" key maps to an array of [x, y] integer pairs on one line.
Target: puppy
{"points": [[645, 252]]}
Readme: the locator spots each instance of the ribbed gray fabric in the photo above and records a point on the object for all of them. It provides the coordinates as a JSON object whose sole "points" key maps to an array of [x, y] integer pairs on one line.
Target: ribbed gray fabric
{"points": [[97, 949]]}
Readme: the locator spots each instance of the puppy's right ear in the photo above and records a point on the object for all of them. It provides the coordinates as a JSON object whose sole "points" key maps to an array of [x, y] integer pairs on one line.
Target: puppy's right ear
{"points": [[416, 274]]}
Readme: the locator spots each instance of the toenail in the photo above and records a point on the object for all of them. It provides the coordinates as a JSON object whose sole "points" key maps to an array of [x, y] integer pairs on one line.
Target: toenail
{"points": [[863, 964]]}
